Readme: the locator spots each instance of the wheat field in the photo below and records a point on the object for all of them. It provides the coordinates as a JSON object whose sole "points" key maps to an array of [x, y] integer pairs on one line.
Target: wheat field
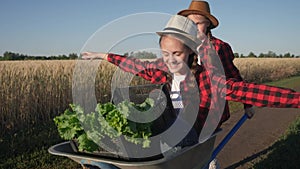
{"points": [[261, 70], [32, 92]]}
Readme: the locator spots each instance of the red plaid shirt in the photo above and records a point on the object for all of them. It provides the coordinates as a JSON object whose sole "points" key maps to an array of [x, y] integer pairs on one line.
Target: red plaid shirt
{"points": [[234, 90], [226, 56]]}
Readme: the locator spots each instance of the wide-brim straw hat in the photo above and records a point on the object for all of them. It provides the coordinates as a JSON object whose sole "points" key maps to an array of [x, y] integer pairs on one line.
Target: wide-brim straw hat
{"points": [[182, 28], [201, 8]]}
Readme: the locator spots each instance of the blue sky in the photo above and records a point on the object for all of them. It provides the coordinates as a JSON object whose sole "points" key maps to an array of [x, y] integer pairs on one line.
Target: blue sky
{"points": [[36, 27]]}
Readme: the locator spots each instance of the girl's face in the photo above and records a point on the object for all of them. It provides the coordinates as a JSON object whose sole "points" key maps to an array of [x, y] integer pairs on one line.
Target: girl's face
{"points": [[175, 54]]}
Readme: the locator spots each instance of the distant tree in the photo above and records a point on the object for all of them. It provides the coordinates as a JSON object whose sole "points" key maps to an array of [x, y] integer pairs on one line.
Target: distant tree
{"points": [[40, 58], [13, 56], [251, 55], [73, 56], [143, 55], [287, 55], [236, 55], [62, 57], [8, 55], [271, 54], [261, 55]]}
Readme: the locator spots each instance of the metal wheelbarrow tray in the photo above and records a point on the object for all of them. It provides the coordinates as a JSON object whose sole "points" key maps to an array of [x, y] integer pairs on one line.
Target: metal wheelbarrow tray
{"points": [[189, 157], [197, 156]]}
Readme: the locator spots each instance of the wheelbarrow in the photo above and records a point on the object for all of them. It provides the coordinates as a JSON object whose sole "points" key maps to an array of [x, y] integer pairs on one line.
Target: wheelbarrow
{"points": [[196, 156]]}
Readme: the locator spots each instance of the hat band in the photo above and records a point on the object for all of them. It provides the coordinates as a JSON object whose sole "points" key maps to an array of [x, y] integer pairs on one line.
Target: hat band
{"points": [[175, 29]]}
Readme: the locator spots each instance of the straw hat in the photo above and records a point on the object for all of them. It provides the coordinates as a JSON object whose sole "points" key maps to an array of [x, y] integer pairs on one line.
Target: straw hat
{"points": [[183, 28], [201, 8]]}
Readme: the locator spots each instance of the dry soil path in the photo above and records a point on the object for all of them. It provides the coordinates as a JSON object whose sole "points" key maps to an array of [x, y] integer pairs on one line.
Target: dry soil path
{"points": [[254, 136]]}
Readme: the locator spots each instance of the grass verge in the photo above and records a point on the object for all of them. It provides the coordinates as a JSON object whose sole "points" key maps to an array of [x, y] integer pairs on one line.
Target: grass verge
{"points": [[28, 149], [284, 153]]}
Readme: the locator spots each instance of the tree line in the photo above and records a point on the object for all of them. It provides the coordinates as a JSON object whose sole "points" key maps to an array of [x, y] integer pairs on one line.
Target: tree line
{"points": [[141, 54], [270, 54], [18, 56]]}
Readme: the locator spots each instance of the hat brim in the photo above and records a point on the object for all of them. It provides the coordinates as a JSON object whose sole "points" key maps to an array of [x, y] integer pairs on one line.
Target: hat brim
{"points": [[214, 21], [191, 42]]}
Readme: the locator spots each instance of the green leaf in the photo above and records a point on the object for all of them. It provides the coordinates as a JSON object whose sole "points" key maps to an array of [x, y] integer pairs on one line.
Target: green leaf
{"points": [[86, 144], [107, 120]]}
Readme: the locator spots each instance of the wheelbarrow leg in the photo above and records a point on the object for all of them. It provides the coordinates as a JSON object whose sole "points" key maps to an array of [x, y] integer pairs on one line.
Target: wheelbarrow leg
{"points": [[226, 139]]}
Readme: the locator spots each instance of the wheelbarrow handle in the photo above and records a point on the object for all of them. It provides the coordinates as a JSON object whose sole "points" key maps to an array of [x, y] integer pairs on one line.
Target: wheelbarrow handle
{"points": [[227, 138]]}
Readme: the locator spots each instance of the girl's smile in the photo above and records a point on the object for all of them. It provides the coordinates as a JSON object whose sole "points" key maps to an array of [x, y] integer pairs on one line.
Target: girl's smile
{"points": [[175, 55]]}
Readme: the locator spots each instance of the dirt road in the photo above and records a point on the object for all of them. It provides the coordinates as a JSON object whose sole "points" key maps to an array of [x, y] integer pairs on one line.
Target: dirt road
{"points": [[254, 136]]}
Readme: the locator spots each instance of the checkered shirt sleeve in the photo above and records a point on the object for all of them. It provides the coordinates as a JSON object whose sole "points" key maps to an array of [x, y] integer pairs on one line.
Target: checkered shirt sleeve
{"points": [[152, 71], [259, 95], [262, 95]]}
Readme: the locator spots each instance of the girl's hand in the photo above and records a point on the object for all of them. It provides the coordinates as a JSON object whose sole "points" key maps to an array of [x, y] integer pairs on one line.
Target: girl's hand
{"points": [[93, 55]]}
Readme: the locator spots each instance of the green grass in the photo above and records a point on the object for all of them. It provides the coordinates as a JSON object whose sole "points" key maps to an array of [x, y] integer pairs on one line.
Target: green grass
{"points": [[28, 148], [39, 159], [293, 82], [285, 152]]}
